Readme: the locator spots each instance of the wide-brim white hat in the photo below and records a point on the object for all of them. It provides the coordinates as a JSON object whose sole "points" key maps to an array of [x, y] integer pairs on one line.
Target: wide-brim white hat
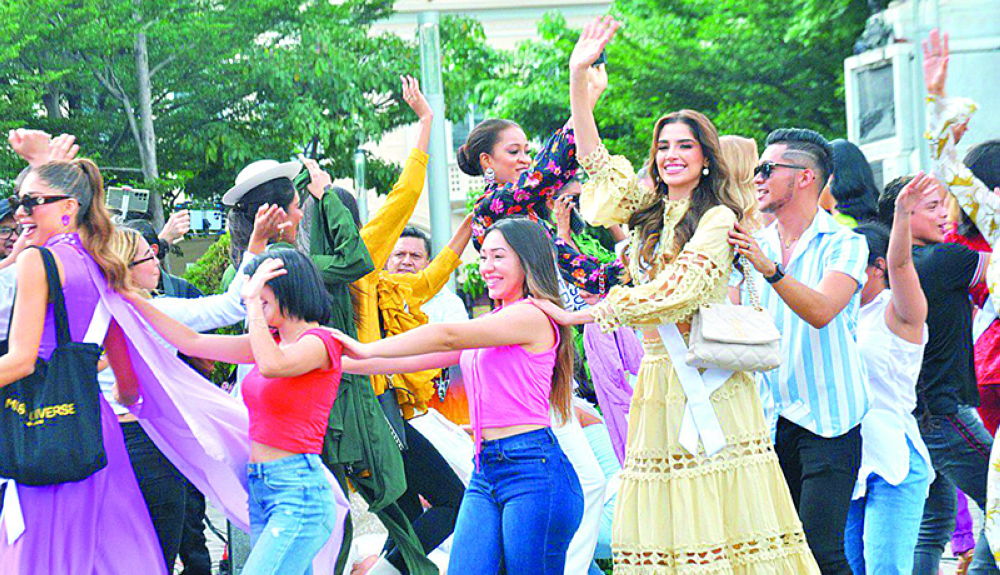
{"points": [[256, 174]]}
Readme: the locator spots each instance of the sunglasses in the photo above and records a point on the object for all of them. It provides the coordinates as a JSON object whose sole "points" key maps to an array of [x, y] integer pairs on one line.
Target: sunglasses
{"points": [[142, 261], [765, 169], [29, 203]]}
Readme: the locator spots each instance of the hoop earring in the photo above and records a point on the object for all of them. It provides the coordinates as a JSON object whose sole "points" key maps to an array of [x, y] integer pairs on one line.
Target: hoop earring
{"points": [[490, 176], [704, 171], [65, 221]]}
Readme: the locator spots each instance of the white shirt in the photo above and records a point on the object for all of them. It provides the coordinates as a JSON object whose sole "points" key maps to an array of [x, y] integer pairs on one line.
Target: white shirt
{"points": [[8, 281], [445, 307], [199, 314], [893, 366]]}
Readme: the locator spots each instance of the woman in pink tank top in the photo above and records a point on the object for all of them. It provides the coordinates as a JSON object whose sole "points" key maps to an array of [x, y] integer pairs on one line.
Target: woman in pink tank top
{"points": [[524, 501], [289, 394]]}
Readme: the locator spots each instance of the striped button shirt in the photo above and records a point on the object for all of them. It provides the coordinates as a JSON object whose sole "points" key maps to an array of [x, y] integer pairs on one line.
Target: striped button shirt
{"points": [[822, 384]]}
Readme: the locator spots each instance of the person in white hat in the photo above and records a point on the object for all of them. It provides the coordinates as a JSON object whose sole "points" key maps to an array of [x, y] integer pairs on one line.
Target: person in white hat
{"points": [[262, 183]]}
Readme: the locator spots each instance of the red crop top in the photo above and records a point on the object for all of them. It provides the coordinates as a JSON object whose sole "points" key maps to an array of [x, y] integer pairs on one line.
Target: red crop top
{"points": [[292, 413]]}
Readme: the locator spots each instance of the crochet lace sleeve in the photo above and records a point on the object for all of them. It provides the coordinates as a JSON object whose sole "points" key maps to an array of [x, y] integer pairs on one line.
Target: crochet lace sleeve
{"points": [[694, 278], [613, 192]]}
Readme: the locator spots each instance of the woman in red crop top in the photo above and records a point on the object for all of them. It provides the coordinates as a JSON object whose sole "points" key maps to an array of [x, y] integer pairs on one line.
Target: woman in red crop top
{"points": [[289, 394], [524, 501]]}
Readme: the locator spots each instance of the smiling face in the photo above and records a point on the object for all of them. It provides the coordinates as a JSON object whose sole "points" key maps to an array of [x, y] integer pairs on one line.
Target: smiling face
{"points": [[145, 267], [929, 220], [409, 256], [45, 220], [778, 190], [679, 159], [509, 157], [501, 269]]}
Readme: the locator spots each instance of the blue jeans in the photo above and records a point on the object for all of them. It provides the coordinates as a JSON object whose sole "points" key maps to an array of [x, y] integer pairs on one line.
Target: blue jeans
{"points": [[520, 510], [292, 515], [960, 447], [882, 526]]}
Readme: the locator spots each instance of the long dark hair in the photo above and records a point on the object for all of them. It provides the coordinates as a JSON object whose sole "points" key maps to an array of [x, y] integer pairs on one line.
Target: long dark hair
{"points": [[82, 179], [853, 185], [534, 251], [278, 191], [712, 189]]}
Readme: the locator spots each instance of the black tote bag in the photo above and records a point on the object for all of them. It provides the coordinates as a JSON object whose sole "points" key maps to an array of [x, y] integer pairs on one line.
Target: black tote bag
{"points": [[50, 421]]}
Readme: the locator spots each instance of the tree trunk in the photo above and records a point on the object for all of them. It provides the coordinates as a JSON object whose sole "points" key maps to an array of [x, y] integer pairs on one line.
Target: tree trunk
{"points": [[147, 133], [50, 99]]}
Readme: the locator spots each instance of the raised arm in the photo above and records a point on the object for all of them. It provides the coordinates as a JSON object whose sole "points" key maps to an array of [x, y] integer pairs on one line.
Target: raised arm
{"points": [[909, 304], [335, 244], [426, 283], [593, 39], [947, 120]]}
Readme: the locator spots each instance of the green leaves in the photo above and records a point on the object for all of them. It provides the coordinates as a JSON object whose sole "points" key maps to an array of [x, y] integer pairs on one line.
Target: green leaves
{"points": [[751, 66]]}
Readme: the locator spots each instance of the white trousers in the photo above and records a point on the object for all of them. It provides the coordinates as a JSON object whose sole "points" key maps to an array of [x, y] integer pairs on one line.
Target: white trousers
{"points": [[574, 444]]}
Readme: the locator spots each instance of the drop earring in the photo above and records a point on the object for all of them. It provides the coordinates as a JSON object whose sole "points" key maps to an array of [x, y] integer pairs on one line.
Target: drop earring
{"points": [[490, 176], [704, 171], [65, 221]]}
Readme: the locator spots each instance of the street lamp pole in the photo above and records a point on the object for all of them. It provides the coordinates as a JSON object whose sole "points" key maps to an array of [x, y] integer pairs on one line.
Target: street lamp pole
{"points": [[437, 169], [360, 171]]}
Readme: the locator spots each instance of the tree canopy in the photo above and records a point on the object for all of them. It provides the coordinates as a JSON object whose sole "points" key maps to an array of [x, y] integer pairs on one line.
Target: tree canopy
{"points": [[751, 66]]}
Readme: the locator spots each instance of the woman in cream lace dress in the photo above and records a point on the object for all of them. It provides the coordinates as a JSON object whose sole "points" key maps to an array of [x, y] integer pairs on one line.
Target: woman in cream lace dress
{"points": [[681, 510]]}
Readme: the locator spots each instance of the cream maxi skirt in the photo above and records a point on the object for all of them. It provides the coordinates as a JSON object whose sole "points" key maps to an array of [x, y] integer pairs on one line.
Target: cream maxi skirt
{"points": [[685, 514]]}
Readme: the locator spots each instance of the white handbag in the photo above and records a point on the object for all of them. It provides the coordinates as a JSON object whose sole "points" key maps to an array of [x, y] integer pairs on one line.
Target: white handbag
{"points": [[736, 337]]}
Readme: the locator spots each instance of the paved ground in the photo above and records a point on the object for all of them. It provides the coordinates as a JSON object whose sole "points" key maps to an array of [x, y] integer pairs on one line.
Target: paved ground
{"points": [[215, 544]]}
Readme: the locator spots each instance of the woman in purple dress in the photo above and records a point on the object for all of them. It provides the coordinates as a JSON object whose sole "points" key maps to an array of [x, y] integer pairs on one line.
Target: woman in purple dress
{"points": [[100, 525]]}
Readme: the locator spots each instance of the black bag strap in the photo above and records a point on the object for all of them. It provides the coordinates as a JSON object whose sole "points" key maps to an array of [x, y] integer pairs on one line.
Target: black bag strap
{"points": [[56, 296]]}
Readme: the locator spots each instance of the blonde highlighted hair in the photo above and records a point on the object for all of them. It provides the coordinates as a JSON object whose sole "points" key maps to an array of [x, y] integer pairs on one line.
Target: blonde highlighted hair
{"points": [[741, 156]]}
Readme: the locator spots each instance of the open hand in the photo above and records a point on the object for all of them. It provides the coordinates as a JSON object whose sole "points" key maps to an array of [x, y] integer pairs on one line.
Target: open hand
{"points": [[266, 271], [353, 348], [63, 148], [914, 192], [271, 221], [594, 37], [560, 315], [935, 62], [414, 98], [318, 178]]}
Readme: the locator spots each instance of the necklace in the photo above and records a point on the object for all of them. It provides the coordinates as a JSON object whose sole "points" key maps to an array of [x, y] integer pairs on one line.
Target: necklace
{"points": [[789, 243]]}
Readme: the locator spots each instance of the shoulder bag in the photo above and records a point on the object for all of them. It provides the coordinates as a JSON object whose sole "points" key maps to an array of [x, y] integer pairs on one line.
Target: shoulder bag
{"points": [[50, 421], [736, 337]]}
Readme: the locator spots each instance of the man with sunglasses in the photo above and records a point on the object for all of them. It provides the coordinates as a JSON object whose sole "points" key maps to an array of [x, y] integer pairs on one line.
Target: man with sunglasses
{"points": [[810, 271]]}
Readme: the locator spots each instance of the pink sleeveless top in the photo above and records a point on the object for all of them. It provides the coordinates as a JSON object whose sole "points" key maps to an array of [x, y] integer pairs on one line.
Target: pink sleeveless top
{"points": [[508, 385]]}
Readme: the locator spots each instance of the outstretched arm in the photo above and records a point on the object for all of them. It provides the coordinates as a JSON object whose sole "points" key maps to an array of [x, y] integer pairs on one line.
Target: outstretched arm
{"points": [[414, 364], [226, 348], [593, 39], [514, 325]]}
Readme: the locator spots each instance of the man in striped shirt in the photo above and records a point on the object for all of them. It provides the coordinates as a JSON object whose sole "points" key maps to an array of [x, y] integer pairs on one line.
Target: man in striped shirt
{"points": [[815, 269]]}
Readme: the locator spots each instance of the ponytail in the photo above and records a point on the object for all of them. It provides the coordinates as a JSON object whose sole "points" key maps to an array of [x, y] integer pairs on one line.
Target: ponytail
{"points": [[82, 180]]}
